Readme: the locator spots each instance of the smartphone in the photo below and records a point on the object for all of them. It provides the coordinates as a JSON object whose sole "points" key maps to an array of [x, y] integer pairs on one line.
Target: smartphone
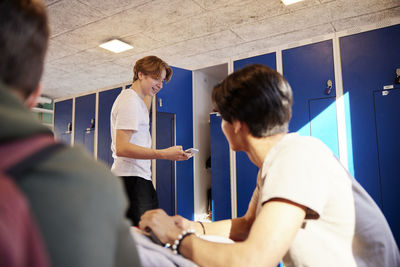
{"points": [[191, 151]]}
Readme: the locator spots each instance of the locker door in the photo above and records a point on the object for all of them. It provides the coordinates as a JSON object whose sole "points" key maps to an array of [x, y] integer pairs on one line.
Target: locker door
{"points": [[323, 122], [308, 69], [85, 121], [220, 171], [387, 119], [106, 100], [165, 169], [246, 171], [267, 59], [369, 62], [63, 120], [176, 97]]}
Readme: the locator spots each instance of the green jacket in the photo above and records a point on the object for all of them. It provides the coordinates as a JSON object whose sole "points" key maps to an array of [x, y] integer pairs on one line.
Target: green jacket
{"points": [[78, 204]]}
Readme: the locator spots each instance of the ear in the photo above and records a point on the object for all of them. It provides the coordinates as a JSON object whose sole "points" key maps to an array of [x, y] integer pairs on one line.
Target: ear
{"points": [[140, 75], [237, 126], [240, 127], [31, 100]]}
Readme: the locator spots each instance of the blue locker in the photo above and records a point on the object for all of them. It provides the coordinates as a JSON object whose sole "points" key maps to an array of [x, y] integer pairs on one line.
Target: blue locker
{"points": [[165, 169], [387, 120], [63, 120], [106, 101], [220, 171], [308, 69], [369, 62], [176, 98], [321, 111], [246, 171], [267, 59], [85, 121]]}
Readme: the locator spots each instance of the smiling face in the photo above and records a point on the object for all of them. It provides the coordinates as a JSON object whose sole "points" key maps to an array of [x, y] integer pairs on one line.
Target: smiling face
{"points": [[151, 85]]}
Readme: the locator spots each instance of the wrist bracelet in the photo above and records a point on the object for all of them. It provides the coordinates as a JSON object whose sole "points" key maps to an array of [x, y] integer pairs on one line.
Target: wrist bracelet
{"points": [[202, 226], [178, 241]]}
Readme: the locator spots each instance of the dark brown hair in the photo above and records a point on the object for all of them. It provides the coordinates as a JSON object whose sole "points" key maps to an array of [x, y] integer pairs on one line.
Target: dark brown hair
{"points": [[24, 35], [258, 96]]}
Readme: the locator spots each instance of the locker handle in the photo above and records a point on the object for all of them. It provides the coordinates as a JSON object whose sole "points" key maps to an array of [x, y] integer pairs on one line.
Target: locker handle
{"points": [[69, 128], [91, 126], [328, 88], [397, 80]]}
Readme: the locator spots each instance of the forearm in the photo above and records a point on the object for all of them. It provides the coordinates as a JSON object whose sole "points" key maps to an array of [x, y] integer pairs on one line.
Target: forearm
{"points": [[130, 150], [265, 245], [220, 228], [236, 229]]}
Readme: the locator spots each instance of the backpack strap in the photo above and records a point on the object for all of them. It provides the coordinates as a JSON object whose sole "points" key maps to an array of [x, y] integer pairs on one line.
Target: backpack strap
{"points": [[22, 155], [21, 243]]}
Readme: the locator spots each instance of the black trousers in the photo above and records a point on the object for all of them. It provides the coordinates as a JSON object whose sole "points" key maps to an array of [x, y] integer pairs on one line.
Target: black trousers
{"points": [[142, 197]]}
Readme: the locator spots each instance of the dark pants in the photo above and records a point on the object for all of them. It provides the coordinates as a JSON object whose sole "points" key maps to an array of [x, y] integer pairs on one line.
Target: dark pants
{"points": [[141, 195]]}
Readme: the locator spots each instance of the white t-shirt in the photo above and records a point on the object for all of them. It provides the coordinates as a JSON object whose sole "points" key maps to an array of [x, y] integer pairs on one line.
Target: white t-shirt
{"points": [[343, 225], [129, 112]]}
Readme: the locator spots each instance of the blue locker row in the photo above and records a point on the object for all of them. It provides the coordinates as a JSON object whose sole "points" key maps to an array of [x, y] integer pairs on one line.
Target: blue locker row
{"points": [[369, 62]]}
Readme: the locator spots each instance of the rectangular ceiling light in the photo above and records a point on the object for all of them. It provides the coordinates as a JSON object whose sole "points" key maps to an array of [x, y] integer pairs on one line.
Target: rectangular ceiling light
{"points": [[289, 2], [116, 46]]}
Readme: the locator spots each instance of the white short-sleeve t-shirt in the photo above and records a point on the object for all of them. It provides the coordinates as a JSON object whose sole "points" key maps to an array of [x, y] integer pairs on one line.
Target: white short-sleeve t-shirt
{"points": [[129, 112], [343, 225]]}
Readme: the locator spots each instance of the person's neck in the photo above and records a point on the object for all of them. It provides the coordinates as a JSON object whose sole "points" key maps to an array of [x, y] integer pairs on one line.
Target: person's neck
{"points": [[138, 89], [258, 148]]}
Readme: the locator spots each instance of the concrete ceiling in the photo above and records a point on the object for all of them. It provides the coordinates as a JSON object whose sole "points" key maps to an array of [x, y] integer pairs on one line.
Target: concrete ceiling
{"points": [[189, 34]]}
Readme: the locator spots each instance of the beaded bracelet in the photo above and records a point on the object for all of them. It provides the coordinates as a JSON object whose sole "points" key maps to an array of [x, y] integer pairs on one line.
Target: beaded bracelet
{"points": [[178, 241]]}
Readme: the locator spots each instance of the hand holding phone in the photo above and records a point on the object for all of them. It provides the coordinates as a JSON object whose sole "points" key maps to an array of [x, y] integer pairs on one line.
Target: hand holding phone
{"points": [[191, 151]]}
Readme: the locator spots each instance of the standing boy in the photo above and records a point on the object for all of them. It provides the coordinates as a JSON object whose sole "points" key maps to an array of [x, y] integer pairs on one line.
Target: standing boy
{"points": [[131, 140]]}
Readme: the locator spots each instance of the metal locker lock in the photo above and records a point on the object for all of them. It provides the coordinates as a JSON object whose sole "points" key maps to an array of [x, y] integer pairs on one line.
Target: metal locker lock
{"points": [[328, 88], [91, 126], [69, 128], [397, 80], [160, 102], [91, 123]]}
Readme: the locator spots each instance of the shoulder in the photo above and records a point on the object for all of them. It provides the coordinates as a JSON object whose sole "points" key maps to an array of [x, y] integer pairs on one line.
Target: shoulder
{"points": [[74, 165], [298, 152], [294, 144], [127, 97]]}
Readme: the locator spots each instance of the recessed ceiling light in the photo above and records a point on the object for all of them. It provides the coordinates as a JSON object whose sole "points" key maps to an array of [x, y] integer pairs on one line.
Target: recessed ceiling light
{"points": [[116, 46], [289, 2]]}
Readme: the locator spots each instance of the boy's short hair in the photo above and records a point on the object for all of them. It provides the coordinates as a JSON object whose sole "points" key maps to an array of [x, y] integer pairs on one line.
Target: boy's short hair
{"points": [[24, 35], [258, 96], [153, 66]]}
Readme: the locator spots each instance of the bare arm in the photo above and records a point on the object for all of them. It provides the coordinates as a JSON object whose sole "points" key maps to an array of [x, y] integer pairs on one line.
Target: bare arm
{"points": [[236, 229], [126, 149], [270, 237]]}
